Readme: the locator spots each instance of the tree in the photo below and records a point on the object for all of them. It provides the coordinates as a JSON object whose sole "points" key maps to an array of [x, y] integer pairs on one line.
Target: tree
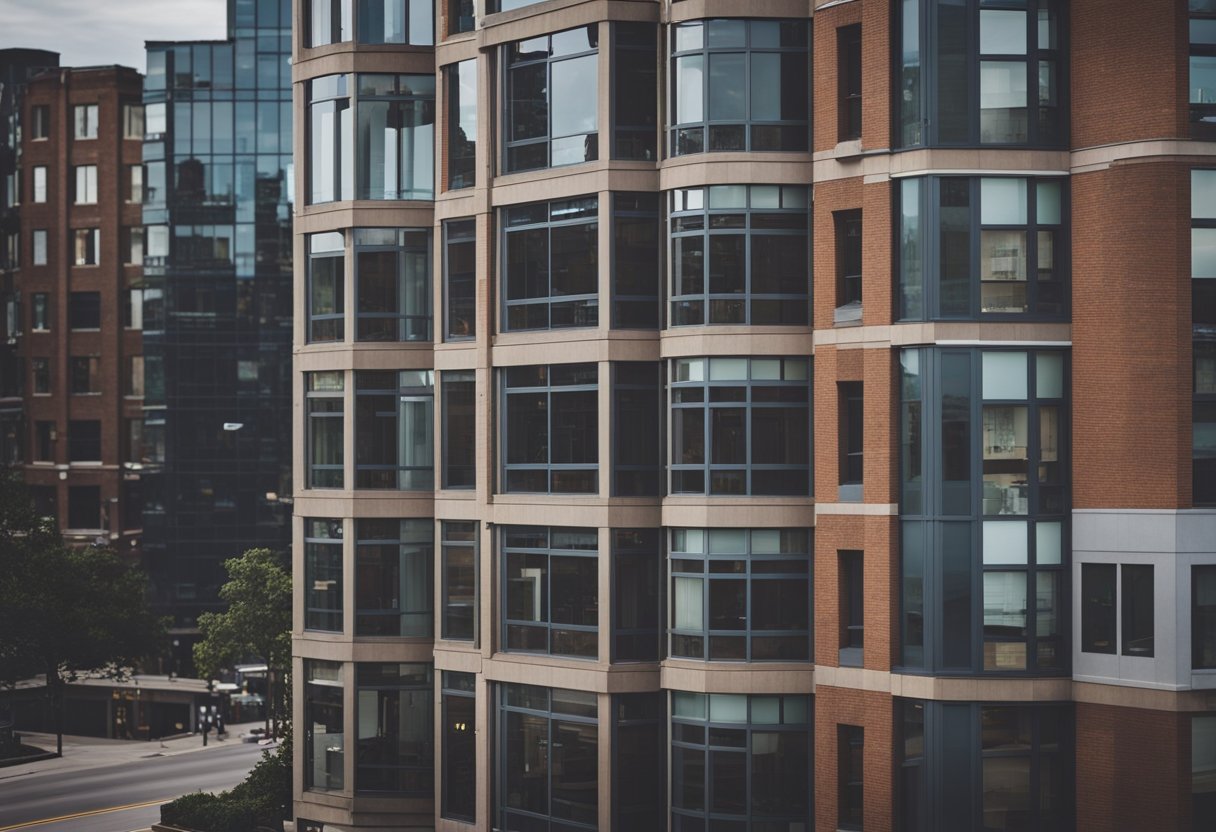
{"points": [[256, 623], [65, 610]]}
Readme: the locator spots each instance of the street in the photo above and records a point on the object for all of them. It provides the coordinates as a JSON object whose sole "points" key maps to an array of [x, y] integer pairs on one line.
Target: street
{"points": [[85, 800]]}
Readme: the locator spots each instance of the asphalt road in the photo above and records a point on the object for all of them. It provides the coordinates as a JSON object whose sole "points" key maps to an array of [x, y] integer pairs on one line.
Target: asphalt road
{"points": [[83, 800]]}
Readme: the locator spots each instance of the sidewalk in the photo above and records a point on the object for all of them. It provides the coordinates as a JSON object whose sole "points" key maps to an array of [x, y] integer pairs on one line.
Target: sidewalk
{"points": [[95, 752]]}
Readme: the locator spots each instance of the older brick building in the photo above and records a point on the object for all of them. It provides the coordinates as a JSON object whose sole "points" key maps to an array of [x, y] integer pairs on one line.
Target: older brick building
{"points": [[763, 416]]}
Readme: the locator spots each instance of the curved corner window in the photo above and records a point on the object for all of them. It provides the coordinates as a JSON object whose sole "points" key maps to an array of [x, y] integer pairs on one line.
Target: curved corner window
{"points": [[983, 247], [1006, 86], [740, 85], [740, 254], [371, 21], [392, 284], [740, 594], [550, 433], [395, 429], [741, 426], [550, 591]]}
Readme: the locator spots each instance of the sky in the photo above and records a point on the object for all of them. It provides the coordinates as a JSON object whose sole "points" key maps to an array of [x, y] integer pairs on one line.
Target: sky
{"points": [[92, 32]]}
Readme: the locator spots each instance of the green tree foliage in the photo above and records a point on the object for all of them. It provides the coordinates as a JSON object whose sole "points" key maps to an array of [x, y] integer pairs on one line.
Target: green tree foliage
{"points": [[257, 622], [65, 610]]}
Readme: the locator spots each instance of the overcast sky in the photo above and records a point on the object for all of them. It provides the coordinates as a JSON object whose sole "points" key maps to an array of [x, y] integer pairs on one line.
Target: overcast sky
{"points": [[91, 32]]}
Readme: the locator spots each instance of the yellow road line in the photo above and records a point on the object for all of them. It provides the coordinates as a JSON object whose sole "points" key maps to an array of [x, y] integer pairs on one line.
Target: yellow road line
{"points": [[90, 813]]}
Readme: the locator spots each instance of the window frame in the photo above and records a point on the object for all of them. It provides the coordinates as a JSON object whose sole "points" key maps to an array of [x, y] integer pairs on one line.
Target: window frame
{"points": [[408, 250], [849, 71], [546, 611], [317, 617], [412, 387], [425, 768], [318, 407], [459, 232], [471, 545], [84, 119], [549, 390], [315, 251], [415, 539], [455, 685]]}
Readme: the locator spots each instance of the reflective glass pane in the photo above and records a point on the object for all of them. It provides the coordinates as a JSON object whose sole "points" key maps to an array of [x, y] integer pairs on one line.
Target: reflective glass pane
{"points": [[1004, 375], [1004, 542]]}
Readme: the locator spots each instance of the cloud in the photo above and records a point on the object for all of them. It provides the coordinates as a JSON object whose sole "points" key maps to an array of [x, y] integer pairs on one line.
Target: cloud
{"points": [[91, 32]]}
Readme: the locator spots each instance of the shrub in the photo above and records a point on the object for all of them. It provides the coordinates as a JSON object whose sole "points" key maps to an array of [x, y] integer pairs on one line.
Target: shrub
{"points": [[261, 800]]}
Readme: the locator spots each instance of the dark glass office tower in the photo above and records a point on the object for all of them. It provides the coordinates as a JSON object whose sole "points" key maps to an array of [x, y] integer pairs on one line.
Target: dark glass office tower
{"points": [[217, 305]]}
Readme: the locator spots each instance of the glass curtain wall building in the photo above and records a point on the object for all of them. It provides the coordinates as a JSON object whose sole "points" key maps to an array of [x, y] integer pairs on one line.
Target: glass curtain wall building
{"points": [[754, 418], [216, 304]]}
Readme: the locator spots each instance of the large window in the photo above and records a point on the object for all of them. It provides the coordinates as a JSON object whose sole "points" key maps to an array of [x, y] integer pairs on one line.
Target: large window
{"points": [[637, 264], [1004, 87], [85, 192], [383, 148], [370, 21], [84, 440], [740, 255], [994, 246], [1203, 323], [460, 280], [550, 590], [325, 409], [637, 418], [548, 763], [84, 374], [459, 708], [637, 560], [740, 426], [551, 108], [323, 575], [326, 286], [634, 90], [639, 756], [740, 85], [460, 81], [1138, 610], [459, 389], [392, 284], [1203, 616], [394, 429], [740, 595], [1203, 770], [550, 265], [396, 730], [394, 563], [550, 431], [459, 590], [323, 726], [736, 758], [1202, 79]]}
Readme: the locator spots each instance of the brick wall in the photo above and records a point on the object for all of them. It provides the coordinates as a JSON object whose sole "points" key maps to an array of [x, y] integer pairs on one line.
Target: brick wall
{"points": [[873, 712], [873, 15]]}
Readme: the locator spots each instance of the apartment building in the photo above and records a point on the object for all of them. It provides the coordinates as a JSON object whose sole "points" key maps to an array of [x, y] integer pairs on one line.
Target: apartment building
{"points": [[755, 417], [81, 250]]}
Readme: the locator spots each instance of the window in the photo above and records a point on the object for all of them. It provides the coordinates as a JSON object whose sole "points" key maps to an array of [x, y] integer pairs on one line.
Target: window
{"points": [[88, 246], [326, 286], [134, 376], [740, 595], [155, 116], [850, 748], [1203, 617], [637, 558], [85, 117], [550, 265], [133, 443], [740, 255], [1202, 82], [331, 139], [135, 183], [634, 91], [40, 372], [736, 757], [459, 590], [1020, 266], [394, 562], [848, 82], [1203, 769], [461, 83], [395, 118], [740, 426], [394, 429], [851, 577], [550, 591], [38, 249], [637, 264], [396, 723], [459, 429], [39, 184], [133, 308], [848, 265], [84, 442], [851, 412], [1098, 608], [133, 250], [323, 726], [1137, 604], [372, 21], [323, 575], [1013, 71], [1203, 328], [460, 265], [44, 441], [461, 16], [40, 122], [639, 755], [85, 374], [40, 312], [392, 284], [459, 708], [84, 310], [551, 429], [330, 21], [637, 420], [86, 184], [548, 758], [551, 108], [325, 407], [84, 508], [745, 83], [133, 121]]}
